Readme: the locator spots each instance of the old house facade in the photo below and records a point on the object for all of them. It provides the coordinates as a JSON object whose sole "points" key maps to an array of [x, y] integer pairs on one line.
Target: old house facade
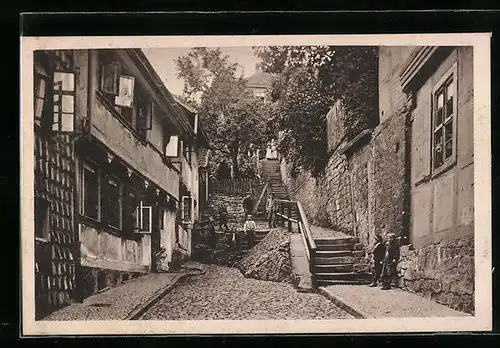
{"points": [[110, 164], [409, 171]]}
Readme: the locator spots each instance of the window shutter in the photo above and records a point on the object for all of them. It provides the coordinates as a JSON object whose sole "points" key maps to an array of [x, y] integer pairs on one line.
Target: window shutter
{"points": [[421, 136], [145, 118], [172, 148], [110, 78]]}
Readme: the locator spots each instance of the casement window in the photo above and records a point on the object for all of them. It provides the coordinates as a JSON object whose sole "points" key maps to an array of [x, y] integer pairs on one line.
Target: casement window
{"points": [[113, 202], [444, 110], [90, 198], [63, 101], [172, 147], [260, 94], [42, 211], [186, 211], [145, 217], [54, 100], [118, 87], [42, 86]]}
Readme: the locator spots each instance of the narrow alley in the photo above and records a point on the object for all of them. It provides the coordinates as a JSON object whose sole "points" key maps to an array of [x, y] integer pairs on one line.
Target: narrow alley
{"points": [[223, 293]]}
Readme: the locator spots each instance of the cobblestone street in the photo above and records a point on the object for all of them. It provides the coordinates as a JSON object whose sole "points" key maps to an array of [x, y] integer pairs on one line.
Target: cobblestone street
{"points": [[223, 293]]}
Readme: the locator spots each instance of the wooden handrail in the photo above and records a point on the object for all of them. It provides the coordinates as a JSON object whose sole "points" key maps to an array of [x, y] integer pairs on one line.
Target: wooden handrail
{"points": [[303, 218], [308, 255], [256, 206]]}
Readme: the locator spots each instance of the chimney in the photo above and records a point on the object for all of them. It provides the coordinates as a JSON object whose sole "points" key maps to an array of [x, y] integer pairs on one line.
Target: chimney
{"points": [[257, 68]]}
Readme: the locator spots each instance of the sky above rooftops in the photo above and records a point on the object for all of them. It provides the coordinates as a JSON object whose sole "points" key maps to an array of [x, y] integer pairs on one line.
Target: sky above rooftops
{"points": [[162, 60]]}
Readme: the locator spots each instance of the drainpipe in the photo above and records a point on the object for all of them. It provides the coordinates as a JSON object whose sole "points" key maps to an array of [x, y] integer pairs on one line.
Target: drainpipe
{"points": [[79, 279]]}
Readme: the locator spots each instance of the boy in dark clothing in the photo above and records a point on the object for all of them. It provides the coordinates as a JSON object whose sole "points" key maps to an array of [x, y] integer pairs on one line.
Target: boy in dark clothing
{"points": [[248, 204], [223, 217], [391, 259], [378, 259], [271, 209]]}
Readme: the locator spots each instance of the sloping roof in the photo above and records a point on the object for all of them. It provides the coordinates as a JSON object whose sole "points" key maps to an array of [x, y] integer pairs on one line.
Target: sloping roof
{"points": [[260, 79], [185, 105]]}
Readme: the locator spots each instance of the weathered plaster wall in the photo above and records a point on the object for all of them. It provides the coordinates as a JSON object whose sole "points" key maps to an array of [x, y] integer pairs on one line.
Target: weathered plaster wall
{"points": [[142, 157], [106, 250]]}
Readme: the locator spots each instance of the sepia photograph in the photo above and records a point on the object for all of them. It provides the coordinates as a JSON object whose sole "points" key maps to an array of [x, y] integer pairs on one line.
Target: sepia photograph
{"points": [[256, 185]]}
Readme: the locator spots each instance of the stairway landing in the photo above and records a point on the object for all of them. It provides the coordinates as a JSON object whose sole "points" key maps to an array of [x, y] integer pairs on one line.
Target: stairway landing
{"points": [[326, 233]]}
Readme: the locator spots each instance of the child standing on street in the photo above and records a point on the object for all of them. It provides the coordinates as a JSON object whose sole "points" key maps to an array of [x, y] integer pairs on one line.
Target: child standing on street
{"points": [[249, 229], [391, 259], [378, 259]]}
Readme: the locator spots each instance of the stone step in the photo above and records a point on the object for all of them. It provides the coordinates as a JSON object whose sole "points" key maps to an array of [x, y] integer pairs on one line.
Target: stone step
{"points": [[326, 282], [333, 241], [338, 268], [341, 260], [335, 253], [335, 247], [336, 276]]}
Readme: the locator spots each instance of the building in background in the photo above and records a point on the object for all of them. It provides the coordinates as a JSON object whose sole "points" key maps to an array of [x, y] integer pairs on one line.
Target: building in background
{"points": [[110, 165], [192, 165], [260, 83]]}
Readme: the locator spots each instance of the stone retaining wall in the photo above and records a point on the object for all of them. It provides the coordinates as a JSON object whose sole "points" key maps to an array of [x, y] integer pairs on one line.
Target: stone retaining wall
{"points": [[443, 272]]}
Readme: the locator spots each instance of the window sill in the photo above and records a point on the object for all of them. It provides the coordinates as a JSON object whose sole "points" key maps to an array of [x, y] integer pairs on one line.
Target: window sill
{"points": [[444, 168], [102, 226], [110, 107], [42, 240]]}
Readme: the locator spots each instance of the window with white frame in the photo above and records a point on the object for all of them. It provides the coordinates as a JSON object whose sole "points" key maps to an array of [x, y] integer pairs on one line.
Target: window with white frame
{"points": [[145, 218], [90, 198], [63, 101], [444, 110], [54, 90]]}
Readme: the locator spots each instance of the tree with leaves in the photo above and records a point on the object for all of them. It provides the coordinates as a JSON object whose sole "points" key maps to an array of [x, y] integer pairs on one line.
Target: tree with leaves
{"points": [[233, 118], [311, 79]]}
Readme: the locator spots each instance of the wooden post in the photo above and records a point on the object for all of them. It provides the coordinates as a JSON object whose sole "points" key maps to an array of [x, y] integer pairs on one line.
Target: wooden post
{"points": [[289, 212], [282, 211]]}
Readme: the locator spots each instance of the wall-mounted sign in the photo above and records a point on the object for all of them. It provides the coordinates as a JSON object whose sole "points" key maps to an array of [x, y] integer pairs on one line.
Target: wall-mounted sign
{"points": [[125, 95]]}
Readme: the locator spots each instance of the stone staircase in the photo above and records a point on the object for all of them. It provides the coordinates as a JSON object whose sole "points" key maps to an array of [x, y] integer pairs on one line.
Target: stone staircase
{"points": [[271, 172], [340, 259]]}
